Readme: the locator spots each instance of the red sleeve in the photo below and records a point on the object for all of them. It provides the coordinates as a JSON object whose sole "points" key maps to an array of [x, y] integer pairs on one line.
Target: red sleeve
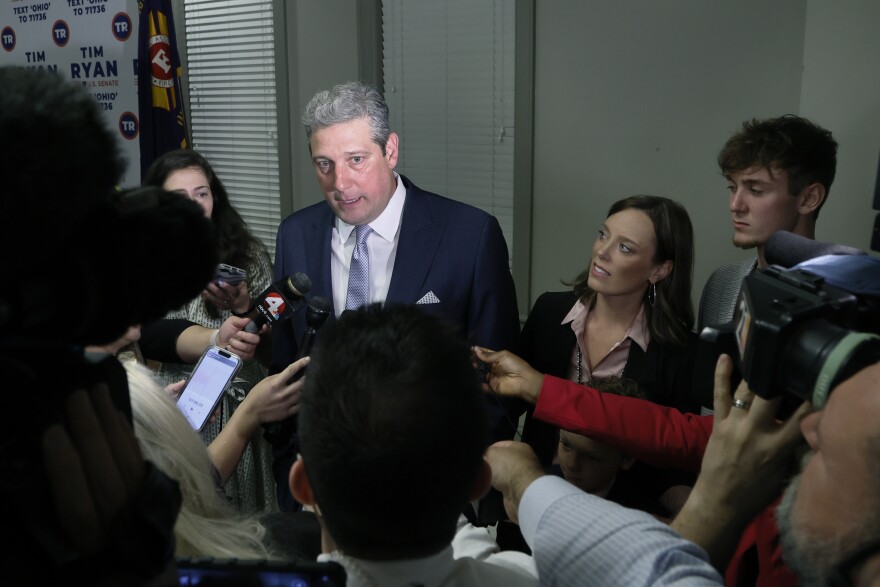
{"points": [[655, 434]]}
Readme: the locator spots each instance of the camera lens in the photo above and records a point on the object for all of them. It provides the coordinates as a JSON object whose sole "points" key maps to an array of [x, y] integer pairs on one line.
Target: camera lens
{"points": [[819, 355]]}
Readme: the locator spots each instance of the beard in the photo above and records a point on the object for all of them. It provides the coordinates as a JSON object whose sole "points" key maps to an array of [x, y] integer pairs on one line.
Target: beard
{"points": [[814, 558]]}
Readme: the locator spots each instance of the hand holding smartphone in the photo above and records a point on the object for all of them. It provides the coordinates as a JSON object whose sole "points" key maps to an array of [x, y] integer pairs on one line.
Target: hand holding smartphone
{"points": [[229, 274], [204, 388]]}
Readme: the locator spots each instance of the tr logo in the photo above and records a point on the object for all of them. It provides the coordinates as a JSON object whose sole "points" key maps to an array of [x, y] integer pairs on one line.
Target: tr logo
{"points": [[129, 125], [8, 38], [60, 33], [121, 24]]}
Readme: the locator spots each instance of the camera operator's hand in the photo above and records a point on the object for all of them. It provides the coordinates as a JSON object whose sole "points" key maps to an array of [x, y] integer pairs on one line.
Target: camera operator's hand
{"points": [[270, 400], [95, 468], [233, 337], [749, 457], [510, 375], [227, 296], [514, 466]]}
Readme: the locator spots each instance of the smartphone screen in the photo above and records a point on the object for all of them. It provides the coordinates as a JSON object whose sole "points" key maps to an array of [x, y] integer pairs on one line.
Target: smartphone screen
{"points": [[205, 387], [229, 274], [256, 573]]}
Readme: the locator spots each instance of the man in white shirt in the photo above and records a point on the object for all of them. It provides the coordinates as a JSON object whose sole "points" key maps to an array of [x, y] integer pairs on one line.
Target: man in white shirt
{"points": [[829, 518], [393, 427]]}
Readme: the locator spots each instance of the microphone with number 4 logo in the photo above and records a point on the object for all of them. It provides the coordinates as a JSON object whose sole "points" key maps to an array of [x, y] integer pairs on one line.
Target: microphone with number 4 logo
{"points": [[278, 302]]}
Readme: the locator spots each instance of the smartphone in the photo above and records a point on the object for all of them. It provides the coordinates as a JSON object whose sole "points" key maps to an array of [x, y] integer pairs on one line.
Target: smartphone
{"points": [[195, 571], [202, 391], [229, 274]]}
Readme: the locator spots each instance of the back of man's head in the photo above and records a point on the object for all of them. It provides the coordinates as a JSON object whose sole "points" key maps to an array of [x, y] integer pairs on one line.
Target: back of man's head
{"points": [[804, 150], [393, 427]]}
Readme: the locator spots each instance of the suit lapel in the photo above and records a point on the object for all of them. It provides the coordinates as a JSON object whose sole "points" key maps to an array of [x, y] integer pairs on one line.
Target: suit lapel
{"points": [[317, 247], [419, 238]]}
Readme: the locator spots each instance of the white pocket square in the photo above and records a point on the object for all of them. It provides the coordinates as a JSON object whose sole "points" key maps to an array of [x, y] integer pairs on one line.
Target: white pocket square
{"points": [[429, 298]]}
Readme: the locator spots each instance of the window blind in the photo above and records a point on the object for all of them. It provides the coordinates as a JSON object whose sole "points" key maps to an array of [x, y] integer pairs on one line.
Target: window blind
{"points": [[231, 67], [449, 83]]}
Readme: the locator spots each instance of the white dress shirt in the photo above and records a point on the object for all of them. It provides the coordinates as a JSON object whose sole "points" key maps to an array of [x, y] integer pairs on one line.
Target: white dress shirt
{"points": [[382, 245], [472, 560]]}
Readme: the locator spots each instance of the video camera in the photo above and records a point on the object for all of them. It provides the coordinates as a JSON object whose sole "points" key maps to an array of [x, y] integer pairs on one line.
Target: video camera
{"points": [[807, 328], [81, 262]]}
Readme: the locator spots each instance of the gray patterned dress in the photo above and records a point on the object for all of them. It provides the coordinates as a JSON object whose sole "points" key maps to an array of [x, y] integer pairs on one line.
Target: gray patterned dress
{"points": [[251, 488]]}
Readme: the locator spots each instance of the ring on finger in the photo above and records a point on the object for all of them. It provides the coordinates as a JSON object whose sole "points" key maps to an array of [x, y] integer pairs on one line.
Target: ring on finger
{"points": [[741, 404]]}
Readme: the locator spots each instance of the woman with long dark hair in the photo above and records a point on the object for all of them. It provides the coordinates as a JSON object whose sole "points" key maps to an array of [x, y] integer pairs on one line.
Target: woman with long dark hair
{"points": [[628, 313], [187, 172]]}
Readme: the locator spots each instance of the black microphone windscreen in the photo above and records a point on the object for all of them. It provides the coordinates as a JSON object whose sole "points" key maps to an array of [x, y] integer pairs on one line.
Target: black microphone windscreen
{"points": [[787, 249], [318, 310], [300, 284]]}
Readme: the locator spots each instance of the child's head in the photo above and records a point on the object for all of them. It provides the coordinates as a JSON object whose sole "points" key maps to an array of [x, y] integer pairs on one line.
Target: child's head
{"points": [[588, 464]]}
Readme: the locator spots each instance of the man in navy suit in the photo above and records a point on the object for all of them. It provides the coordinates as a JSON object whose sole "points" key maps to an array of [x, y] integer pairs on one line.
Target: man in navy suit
{"points": [[447, 257]]}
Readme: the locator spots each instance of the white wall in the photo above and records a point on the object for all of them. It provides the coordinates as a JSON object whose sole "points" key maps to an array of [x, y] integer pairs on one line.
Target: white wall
{"points": [[638, 96], [841, 91], [322, 51]]}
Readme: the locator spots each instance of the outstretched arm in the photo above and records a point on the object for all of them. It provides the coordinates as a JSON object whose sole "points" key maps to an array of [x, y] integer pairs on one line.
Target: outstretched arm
{"points": [[270, 400], [655, 434], [575, 535]]}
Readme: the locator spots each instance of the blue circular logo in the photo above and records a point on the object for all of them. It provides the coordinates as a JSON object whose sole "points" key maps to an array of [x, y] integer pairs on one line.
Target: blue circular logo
{"points": [[129, 126], [121, 24], [60, 33], [8, 38]]}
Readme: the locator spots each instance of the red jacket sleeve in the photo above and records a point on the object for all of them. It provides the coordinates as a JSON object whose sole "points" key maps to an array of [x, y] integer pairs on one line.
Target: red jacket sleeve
{"points": [[655, 434]]}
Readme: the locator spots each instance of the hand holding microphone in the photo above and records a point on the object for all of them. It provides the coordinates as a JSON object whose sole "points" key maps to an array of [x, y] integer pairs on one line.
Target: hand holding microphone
{"points": [[317, 312], [278, 302]]}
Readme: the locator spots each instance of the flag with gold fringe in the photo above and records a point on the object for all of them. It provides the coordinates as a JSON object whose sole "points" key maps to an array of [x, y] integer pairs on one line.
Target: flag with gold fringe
{"points": [[163, 125]]}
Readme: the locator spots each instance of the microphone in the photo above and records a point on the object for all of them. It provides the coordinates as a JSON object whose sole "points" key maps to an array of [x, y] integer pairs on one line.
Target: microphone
{"points": [[787, 249], [278, 302], [317, 313]]}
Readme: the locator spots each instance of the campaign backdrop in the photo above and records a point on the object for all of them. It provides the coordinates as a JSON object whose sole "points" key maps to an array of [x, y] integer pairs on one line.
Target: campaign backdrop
{"points": [[91, 42]]}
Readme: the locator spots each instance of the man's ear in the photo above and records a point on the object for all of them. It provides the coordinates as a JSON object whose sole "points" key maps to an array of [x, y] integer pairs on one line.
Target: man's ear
{"points": [[391, 149], [483, 482], [300, 487], [811, 198]]}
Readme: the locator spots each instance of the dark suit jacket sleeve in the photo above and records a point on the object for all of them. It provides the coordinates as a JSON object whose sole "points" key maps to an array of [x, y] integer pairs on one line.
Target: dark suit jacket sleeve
{"points": [[657, 435], [493, 312], [283, 341], [285, 443], [494, 319], [158, 340]]}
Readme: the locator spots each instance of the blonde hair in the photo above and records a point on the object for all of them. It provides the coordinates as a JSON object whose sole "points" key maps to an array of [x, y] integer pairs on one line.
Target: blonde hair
{"points": [[207, 524]]}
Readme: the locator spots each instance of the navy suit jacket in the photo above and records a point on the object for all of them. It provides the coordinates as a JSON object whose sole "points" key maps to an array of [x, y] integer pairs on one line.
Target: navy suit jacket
{"points": [[454, 250]]}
